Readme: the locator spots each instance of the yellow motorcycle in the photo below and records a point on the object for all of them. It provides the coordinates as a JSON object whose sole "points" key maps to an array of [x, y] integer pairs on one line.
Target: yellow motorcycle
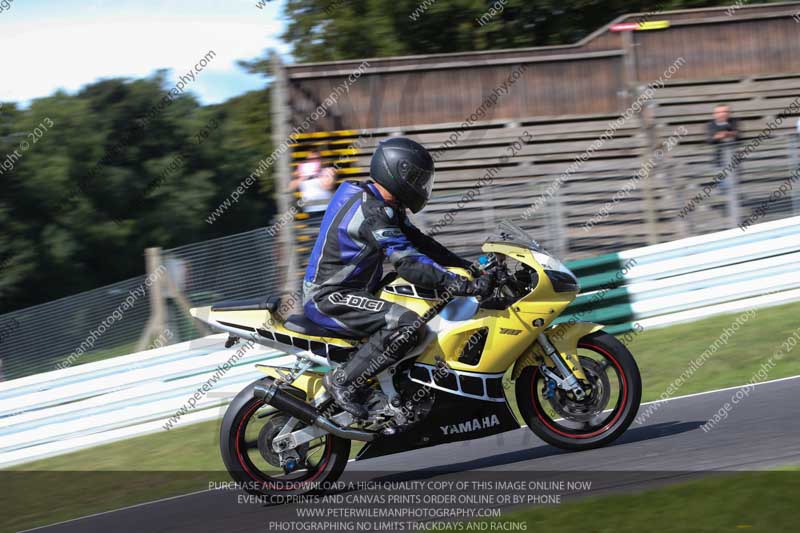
{"points": [[576, 386]]}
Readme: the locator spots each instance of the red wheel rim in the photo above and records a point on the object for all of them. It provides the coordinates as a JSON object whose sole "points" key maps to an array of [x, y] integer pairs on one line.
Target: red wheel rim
{"points": [[621, 403], [245, 463]]}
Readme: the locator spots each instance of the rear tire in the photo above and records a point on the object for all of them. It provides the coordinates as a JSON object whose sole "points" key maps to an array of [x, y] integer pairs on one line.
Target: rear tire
{"points": [[583, 435], [244, 467]]}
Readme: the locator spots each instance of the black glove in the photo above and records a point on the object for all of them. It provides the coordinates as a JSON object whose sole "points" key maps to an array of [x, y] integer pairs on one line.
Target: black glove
{"points": [[482, 287], [475, 269]]}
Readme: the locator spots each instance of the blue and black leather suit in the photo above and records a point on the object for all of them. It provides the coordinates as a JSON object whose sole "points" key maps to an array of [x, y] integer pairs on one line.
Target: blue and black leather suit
{"points": [[358, 232]]}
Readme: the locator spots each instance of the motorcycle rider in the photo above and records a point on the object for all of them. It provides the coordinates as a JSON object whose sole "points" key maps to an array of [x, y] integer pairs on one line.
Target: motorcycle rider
{"points": [[364, 224]]}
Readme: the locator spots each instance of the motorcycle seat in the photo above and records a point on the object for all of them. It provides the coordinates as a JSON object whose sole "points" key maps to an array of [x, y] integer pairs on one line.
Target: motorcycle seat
{"points": [[301, 324]]}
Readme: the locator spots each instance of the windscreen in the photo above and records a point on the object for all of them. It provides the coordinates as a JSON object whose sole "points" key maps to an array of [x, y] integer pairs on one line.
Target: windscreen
{"points": [[509, 233]]}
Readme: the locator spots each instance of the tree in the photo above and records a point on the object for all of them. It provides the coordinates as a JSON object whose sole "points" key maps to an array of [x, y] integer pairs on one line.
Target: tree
{"points": [[328, 30], [119, 169]]}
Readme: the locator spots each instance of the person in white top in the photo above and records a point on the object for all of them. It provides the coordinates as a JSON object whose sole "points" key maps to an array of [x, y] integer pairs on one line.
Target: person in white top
{"points": [[315, 182]]}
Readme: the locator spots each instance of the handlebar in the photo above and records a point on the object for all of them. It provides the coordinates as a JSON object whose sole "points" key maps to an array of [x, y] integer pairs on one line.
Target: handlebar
{"points": [[485, 265], [491, 265]]}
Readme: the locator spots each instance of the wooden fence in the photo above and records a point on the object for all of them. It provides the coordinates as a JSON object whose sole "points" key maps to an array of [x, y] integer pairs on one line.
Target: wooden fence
{"points": [[561, 157], [588, 162], [594, 76]]}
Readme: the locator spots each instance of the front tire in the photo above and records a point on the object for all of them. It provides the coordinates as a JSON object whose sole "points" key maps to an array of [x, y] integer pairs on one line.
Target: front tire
{"points": [[562, 421], [242, 429]]}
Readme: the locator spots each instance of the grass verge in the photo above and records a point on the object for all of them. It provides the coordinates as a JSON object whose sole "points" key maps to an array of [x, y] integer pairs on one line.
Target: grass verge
{"points": [[664, 354], [755, 501]]}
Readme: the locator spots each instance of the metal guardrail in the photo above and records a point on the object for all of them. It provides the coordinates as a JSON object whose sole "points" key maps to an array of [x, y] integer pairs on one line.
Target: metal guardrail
{"points": [[73, 408], [683, 280]]}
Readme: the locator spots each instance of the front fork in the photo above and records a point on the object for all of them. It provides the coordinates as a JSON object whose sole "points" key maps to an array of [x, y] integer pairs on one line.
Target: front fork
{"points": [[568, 380], [556, 349]]}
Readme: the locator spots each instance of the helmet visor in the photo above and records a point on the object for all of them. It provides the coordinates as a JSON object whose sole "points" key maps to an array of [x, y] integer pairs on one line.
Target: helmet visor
{"points": [[419, 178]]}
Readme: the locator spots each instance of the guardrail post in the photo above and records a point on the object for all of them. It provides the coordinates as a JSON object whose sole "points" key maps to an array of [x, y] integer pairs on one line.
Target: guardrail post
{"points": [[795, 146], [488, 211], [175, 291], [649, 156], [732, 182], [675, 182], [556, 223], [280, 135], [156, 324], [629, 67]]}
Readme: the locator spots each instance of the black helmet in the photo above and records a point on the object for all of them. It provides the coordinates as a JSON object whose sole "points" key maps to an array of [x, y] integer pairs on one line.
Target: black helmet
{"points": [[405, 168]]}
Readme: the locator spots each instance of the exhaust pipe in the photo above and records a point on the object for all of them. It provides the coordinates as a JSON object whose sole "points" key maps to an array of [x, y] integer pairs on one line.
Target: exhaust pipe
{"points": [[273, 394]]}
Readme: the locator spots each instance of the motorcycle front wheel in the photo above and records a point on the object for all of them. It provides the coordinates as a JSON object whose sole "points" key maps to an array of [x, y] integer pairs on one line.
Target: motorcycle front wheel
{"points": [[610, 405]]}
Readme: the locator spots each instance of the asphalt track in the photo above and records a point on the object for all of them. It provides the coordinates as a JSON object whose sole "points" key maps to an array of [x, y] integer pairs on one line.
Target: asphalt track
{"points": [[761, 431]]}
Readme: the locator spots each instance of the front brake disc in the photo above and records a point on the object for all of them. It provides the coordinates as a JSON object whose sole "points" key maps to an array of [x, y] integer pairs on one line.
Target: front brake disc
{"points": [[594, 403]]}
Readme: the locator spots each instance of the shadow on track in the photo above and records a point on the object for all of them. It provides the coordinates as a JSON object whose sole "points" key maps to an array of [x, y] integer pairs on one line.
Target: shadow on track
{"points": [[655, 431], [636, 434]]}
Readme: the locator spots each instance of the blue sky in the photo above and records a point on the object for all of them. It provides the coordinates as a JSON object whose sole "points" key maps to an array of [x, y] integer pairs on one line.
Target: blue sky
{"points": [[66, 44]]}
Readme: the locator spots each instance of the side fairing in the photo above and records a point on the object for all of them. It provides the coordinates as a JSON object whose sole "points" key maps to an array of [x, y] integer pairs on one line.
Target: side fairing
{"points": [[452, 419]]}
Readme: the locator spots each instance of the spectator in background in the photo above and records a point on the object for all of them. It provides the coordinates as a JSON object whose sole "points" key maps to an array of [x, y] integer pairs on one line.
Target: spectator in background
{"points": [[723, 132], [315, 183]]}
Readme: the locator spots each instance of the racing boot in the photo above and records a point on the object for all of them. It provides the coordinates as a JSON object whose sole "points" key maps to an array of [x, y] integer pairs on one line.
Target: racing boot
{"points": [[348, 384]]}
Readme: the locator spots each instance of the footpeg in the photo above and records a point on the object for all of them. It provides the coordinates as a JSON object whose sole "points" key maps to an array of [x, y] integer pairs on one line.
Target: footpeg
{"points": [[231, 341]]}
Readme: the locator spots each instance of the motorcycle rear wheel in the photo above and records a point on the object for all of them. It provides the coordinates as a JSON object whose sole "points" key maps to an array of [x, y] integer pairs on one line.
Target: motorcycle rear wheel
{"points": [[569, 424], [239, 434]]}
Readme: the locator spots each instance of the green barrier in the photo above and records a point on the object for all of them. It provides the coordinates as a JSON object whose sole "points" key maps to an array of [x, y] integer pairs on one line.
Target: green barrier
{"points": [[616, 329], [604, 315], [587, 265], [610, 297], [611, 305]]}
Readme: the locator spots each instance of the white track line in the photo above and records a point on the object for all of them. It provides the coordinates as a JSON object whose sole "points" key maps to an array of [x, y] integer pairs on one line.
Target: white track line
{"points": [[351, 460], [722, 390], [101, 513]]}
